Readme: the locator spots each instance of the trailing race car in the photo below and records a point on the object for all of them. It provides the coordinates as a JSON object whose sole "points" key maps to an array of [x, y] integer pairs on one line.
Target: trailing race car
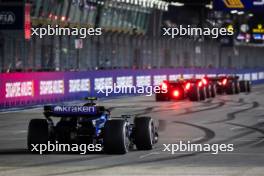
{"points": [[92, 124]]}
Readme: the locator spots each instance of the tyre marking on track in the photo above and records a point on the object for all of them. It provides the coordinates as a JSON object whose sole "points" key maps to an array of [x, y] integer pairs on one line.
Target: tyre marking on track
{"points": [[218, 105], [236, 128], [209, 134], [19, 132], [197, 139], [232, 116], [259, 143], [149, 154], [260, 120]]}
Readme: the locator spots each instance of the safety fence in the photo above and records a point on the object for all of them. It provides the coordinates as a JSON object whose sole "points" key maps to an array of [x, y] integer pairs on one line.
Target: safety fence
{"points": [[37, 88]]}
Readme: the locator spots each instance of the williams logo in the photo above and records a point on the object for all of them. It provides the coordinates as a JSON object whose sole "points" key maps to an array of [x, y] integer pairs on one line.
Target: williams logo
{"points": [[75, 109], [7, 18], [234, 4], [58, 109]]}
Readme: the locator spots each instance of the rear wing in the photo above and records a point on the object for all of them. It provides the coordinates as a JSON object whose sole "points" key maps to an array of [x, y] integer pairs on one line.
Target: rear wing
{"points": [[70, 111], [223, 77]]}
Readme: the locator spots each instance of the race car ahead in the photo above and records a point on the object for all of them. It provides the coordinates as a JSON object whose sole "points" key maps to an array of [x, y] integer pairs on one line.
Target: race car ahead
{"points": [[193, 89], [92, 124], [231, 85], [200, 89]]}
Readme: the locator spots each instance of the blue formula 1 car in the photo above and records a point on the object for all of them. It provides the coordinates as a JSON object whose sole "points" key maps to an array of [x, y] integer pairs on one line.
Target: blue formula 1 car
{"points": [[92, 124]]}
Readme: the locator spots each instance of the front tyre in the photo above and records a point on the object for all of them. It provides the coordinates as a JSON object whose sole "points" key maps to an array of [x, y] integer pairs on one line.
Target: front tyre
{"points": [[145, 133], [115, 137]]}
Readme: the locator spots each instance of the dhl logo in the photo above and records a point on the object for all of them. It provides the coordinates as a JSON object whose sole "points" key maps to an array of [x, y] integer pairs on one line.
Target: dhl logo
{"points": [[234, 4]]}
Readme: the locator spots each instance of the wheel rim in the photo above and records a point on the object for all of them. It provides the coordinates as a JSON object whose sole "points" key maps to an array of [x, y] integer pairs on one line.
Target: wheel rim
{"points": [[151, 132], [125, 137]]}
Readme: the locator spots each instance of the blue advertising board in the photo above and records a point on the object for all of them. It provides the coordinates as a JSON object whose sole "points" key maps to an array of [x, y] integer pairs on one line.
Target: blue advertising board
{"points": [[243, 5], [38, 88]]}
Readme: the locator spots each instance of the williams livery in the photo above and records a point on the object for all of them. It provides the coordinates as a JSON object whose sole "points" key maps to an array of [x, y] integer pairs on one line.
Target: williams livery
{"points": [[92, 124], [73, 109]]}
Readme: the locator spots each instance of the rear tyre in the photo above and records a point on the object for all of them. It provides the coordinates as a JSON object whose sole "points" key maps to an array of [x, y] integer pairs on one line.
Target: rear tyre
{"points": [[220, 90], [237, 87], [161, 97], [202, 91], [115, 137], [248, 83], [230, 88], [213, 90], [144, 133], [38, 133], [243, 86], [208, 91], [194, 94]]}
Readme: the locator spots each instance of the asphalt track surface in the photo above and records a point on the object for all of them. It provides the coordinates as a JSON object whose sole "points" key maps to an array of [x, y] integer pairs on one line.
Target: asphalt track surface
{"points": [[237, 119]]}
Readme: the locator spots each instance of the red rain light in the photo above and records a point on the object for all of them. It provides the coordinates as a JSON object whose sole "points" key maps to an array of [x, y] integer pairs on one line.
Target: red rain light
{"points": [[63, 18], [224, 82], [200, 84], [176, 93], [188, 86], [204, 81]]}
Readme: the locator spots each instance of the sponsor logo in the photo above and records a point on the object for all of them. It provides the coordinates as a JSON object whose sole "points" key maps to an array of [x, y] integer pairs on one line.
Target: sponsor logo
{"points": [[7, 18], [258, 2], [143, 80], [103, 83], [258, 29], [234, 4], [79, 85], [58, 109], [158, 79], [75, 109], [19, 89], [124, 81], [51, 87]]}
